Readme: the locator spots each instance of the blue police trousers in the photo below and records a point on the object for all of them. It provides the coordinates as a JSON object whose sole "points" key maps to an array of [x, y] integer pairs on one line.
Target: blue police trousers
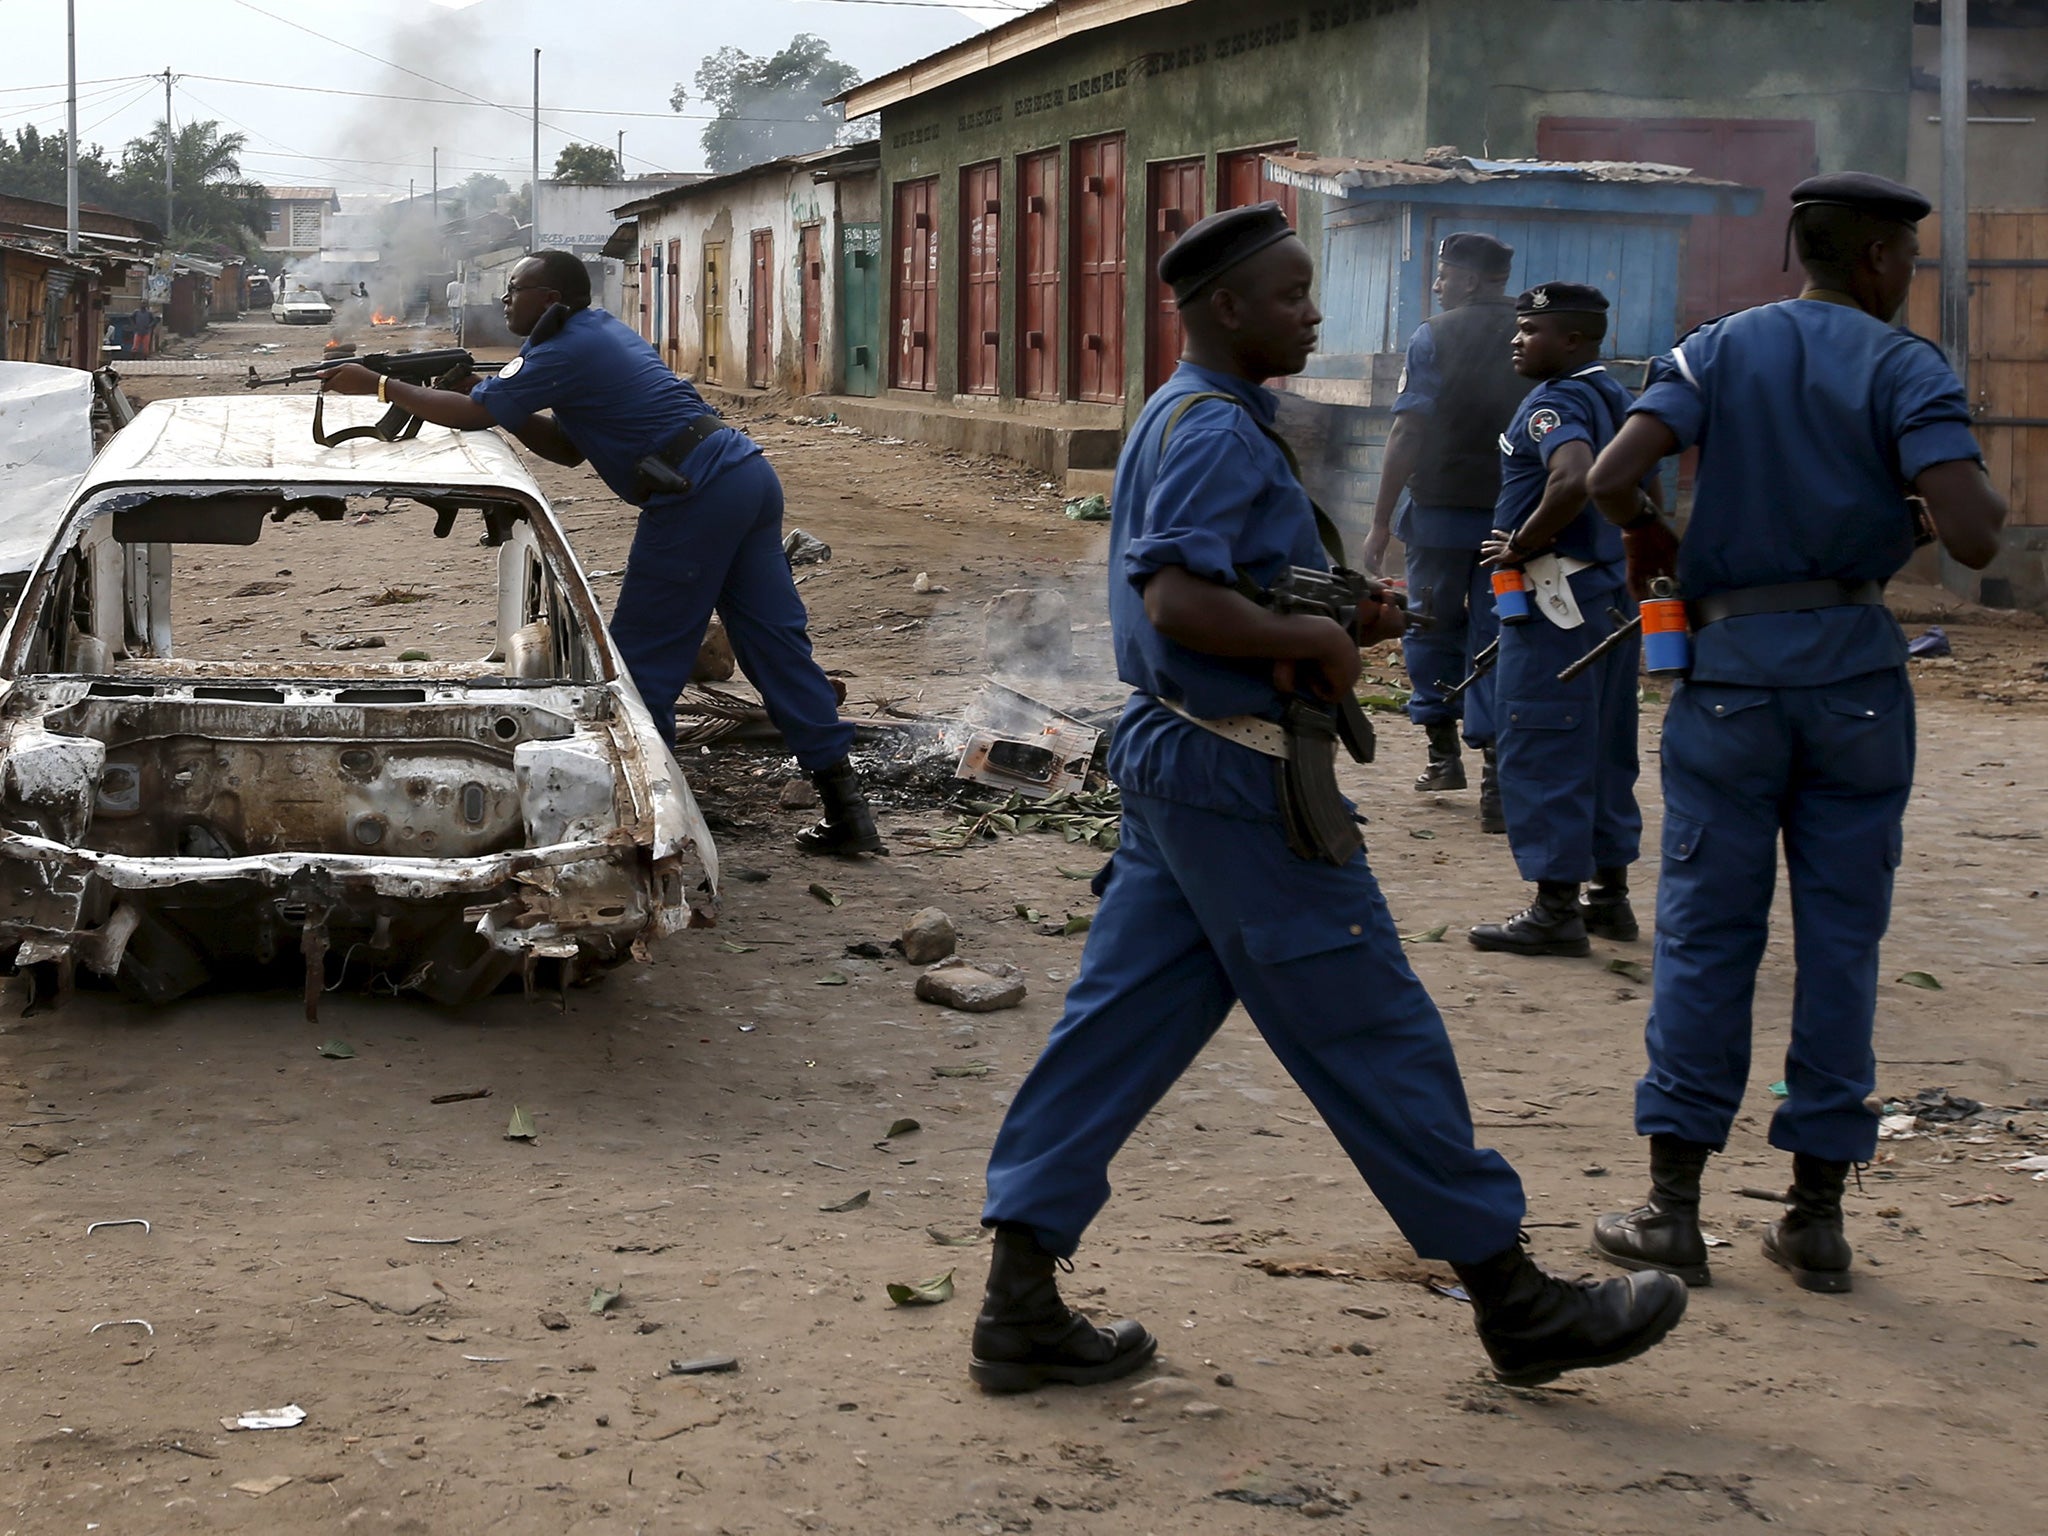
{"points": [[1828, 769], [1200, 910], [1456, 592], [721, 548], [1568, 762]]}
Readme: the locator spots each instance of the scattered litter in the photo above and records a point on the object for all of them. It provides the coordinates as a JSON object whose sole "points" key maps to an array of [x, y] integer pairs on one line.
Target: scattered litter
{"points": [[337, 1050], [1370, 1314], [458, 1098], [125, 1221], [926, 1293], [799, 548], [435, 1242], [1634, 970], [346, 642], [124, 1322], [831, 979], [1088, 509], [291, 1416], [1931, 642], [1937, 1106], [602, 1301], [971, 988], [2037, 1166], [970, 1069], [1089, 817], [1898, 1128], [902, 1128], [540, 1399], [947, 1240], [1303, 1269], [738, 949], [1022, 744], [1956, 1203], [1447, 1288], [487, 1359], [1922, 980], [1779, 1089], [1712, 1241], [521, 1128], [703, 1367], [1423, 834], [853, 1203], [824, 894], [259, 1486], [38, 1152], [1427, 936]]}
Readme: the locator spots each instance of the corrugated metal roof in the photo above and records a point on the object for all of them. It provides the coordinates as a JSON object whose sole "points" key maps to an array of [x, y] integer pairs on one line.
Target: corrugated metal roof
{"points": [[303, 195], [814, 159], [1339, 175]]}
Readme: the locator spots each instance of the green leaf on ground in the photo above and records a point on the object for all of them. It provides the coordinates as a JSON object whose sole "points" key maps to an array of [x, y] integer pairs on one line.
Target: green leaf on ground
{"points": [[946, 1239], [902, 1128], [1030, 914], [338, 1050], [1428, 935], [926, 1293], [1923, 980], [1077, 922], [414, 656], [1634, 970], [831, 979], [738, 949], [602, 1300], [853, 1204], [824, 894], [521, 1128]]}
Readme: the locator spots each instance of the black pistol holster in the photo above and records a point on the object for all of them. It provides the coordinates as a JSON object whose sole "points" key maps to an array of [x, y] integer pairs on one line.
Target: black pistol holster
{"points": [[660, 472]]}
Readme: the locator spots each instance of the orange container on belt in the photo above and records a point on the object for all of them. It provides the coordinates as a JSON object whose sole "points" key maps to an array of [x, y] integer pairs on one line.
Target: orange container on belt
{"points": [[1667, 643], [1511, 595]]}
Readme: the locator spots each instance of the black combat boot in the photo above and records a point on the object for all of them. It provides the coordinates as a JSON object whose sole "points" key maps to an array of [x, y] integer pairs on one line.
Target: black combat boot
{"points": [[849, 826], [1608, 914], [1809, 1240], [1446, 769], [1491, 817], [1552, 926], [1664, 1231], [1536, 1326], [1026, 1337]]}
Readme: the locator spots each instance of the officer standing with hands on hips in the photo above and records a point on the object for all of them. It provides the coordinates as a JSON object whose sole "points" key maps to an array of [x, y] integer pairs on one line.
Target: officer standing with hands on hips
{"points": [[1206, 902], [1816, 420], [710, 533], [1567, 749], [1458, 392]]}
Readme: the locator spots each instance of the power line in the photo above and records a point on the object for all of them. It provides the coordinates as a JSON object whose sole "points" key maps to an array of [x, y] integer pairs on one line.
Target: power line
{"points": [[58, 85], [442, 101]]}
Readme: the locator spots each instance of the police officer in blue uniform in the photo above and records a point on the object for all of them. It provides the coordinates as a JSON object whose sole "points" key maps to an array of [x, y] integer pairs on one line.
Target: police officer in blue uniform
{"points": [[1206, 903], [710, 532], [1567, 749], [1816, 420], [1459, 390]]}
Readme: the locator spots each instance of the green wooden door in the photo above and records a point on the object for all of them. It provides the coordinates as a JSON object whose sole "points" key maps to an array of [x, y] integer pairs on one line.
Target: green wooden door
{"points": [[860, 307]]}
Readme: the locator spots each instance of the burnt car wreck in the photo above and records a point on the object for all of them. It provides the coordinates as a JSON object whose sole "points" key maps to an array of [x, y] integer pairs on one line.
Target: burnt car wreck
{"points": [[437, 826]]}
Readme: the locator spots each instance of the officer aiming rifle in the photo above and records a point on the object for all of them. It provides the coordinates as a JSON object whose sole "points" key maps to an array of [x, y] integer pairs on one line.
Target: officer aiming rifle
{"points": [[449, 368]]}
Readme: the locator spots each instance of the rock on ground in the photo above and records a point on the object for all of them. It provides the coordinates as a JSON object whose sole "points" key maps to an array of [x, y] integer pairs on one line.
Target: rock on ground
{"points": [[972, 987], [929, 936]]}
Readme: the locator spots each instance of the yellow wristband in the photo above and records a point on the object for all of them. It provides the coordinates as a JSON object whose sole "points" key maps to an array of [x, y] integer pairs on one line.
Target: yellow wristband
{"points": [[382, 380]]}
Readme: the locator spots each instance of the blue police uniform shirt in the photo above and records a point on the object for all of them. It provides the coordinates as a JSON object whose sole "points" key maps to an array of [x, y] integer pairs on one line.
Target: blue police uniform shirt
{"points": [[1221, 499], [1585, 407], [1812, 420], [613, 395]]}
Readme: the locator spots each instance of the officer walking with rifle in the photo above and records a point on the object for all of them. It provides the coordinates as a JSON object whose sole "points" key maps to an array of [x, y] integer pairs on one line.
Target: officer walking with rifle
{"points": [[1567, 747], [1234, 882], [710, 534], [1816, 421], [1459, 390]]}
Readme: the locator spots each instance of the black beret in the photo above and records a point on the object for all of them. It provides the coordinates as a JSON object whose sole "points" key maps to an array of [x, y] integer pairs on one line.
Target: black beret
{"points": [[1874, 195], [1479, 253], [1562, 299], [1212, 246]]}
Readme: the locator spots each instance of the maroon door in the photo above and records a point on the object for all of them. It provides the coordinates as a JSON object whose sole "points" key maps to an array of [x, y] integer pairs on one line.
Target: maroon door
{"points": [[761, 311], [1730, 262], [812, 253], [981, 265], [1038, 279], [1241, 180], [917, 284], [1097, 369], [1173, 202]]}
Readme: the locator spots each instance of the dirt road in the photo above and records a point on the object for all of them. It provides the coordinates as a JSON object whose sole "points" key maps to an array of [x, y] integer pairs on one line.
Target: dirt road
{"points": [[699, 1117]]}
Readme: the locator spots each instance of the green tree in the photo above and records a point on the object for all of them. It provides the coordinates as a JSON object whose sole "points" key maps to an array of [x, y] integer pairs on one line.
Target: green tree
{"points": [[478, 194], [769, 107], [32, 165], [217, 211], [588, 165]]}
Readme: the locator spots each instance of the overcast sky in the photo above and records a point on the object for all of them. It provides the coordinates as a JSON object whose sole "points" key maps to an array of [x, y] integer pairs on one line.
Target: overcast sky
{"points": [[256, 66]]}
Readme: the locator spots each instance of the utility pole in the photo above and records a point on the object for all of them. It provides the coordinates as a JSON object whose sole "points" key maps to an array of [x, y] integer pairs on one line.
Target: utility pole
{"points": [[169, 141], [437, 184], [622, 154], [533, 194], [1955, 201], [71, 128]]}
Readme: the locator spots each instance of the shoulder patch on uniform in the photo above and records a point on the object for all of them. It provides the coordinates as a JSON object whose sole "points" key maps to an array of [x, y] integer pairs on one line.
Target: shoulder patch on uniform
{"points": [[1542, 423], [513, 367]]}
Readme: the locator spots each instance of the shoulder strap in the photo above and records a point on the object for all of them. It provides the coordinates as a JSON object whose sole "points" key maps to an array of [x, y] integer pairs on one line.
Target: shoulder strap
{"points": [[1326, 530]]}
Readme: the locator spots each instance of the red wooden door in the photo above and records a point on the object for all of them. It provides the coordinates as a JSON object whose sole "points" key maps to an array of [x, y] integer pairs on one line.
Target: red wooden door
{"points": [[981, 264], [1097, 369], [761, 311], [917, 284], [1730, 262], [1173, 202], [1038, 275], [812, 254], [1241, 180]]}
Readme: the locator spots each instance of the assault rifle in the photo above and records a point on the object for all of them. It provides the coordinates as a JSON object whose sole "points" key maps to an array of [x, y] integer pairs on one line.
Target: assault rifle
{"points": [[1335, 595], [436, 366]]}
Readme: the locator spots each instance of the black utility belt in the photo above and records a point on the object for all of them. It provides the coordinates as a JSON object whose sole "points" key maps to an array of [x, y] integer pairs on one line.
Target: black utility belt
{"points": [[1783, 597], [660, 472]]}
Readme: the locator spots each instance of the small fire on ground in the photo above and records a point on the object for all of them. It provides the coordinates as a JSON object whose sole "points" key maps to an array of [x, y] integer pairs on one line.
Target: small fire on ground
{"points": [[378, 317]]}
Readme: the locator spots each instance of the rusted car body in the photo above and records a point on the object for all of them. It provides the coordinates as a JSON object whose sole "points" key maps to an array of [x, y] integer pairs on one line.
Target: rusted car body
{"points": [[443, 826]]}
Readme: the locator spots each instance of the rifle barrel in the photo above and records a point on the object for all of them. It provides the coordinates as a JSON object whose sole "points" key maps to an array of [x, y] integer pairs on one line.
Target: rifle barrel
{"points": [[1620, 636]]}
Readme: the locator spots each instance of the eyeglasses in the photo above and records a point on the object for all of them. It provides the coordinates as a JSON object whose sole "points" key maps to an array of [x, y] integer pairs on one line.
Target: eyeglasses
{"points": [[512, 288]]}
